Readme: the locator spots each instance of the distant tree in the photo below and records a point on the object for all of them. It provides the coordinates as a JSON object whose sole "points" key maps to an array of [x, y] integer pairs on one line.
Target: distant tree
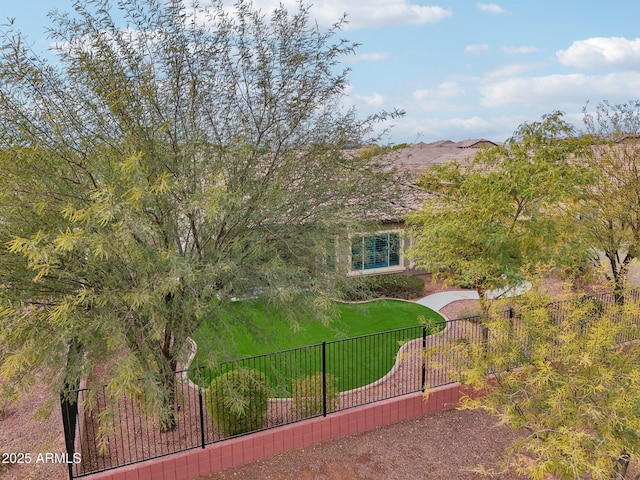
{"points": [[170, 159], [486, 221], [613, 206], [563, 375]]}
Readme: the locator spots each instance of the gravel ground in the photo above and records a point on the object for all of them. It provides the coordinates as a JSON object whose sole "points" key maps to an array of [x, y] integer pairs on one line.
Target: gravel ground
{"points": [[33, 426], [442, 446]]}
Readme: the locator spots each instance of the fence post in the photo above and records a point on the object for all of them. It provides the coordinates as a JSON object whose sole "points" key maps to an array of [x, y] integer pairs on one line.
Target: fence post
{"points": [[512, 333], [324, 378], [423, 357], [201, 415], [69, 421]]}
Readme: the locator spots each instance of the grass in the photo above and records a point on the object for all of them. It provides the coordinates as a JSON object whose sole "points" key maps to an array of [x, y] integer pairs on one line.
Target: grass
{"points": [[353, 362]]}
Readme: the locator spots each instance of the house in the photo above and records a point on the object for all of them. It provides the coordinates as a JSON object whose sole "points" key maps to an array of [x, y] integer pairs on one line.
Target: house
{"points": [[383, 251], [629, 139]]}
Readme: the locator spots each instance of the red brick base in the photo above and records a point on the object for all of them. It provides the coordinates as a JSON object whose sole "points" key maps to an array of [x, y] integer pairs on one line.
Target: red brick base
{"points": [[238, 451]]}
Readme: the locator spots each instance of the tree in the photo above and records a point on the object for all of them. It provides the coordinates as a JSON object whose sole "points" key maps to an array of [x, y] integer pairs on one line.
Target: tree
{"points": [[613, 199], [563, 374], [170, 159], [486, 221]]}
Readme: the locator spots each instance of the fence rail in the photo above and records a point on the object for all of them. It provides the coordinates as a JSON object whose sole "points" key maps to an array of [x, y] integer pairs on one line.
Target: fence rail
{"points": [[302, 383]]}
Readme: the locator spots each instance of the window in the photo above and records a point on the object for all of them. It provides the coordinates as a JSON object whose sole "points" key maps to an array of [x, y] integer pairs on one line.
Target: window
{"points": [[375, 251]]}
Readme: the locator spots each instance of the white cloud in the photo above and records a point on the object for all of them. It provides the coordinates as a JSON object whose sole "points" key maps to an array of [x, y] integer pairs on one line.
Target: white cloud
{"points": [[416, 129], [601, 52], [443, 97], [444, 91], [518, 50], [558, 91], [476, 49], [510, 70], [376, 100], [490, 8], [374, 13], [367, 57]]}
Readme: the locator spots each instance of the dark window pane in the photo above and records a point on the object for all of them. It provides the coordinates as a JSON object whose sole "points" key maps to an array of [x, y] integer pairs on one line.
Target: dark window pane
{"points": [[356, 254], [394, 249], [381, 251], [375, 251], [369, 252]]}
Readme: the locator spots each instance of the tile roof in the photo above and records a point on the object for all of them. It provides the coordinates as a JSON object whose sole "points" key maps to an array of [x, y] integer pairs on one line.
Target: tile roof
{"points": [[417, 157]]}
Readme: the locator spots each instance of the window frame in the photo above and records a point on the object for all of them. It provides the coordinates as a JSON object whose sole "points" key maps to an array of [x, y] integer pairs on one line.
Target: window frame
{"points": [[400, 267]]}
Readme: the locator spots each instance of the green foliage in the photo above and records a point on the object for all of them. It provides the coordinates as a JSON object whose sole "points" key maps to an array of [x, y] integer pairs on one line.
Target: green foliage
{"points": [[5, 401], [159, 168], [486, 221], [612, 206], [400, 146], [564, 375], [376, 286], [237, 401], [308, 398]]}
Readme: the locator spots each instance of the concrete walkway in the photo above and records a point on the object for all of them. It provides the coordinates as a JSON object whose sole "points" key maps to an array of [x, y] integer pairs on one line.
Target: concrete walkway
{"points": [[439, 300]]}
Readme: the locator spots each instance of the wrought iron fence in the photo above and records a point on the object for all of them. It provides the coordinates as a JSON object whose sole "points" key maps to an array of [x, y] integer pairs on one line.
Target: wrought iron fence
{"points": [[277, 389]]}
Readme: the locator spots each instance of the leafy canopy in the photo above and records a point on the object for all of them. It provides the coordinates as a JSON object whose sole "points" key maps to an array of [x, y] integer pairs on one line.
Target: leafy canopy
{"points": [[170, 159], [562, 373], [611, 207], [486, 220]]}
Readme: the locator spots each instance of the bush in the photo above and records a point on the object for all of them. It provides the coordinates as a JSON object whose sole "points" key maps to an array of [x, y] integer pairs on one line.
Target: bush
{"points": [[237, 401], [376, 286], [307, 395]]}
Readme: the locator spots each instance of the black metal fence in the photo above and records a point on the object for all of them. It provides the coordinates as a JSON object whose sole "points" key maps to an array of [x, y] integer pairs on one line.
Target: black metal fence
{"points": [[273, 390]]}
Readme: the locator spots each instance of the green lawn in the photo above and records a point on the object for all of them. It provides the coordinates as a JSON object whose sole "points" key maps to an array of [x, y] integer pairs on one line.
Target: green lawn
{"points": [[354, 362]]}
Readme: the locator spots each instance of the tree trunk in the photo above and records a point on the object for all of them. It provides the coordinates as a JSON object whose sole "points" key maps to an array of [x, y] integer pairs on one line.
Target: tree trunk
{"points": [[621, 466], [620, 271], [484, 306], [168, 416]]}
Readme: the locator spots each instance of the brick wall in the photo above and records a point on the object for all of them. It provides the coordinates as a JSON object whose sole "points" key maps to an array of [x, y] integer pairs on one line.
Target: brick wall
{"points": [[238, 451]]}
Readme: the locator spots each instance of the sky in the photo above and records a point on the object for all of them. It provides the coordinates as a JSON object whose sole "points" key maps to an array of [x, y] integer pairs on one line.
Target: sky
{"points": [[462, 69]]}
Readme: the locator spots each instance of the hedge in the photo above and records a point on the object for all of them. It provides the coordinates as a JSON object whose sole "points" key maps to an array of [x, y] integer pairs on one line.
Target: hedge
{"points": [[377, 286]]}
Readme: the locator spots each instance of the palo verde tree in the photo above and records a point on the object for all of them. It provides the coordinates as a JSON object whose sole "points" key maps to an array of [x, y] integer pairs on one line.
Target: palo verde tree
{"points": [[484, 222], [563, 374], [612, 207], [169, 159]]}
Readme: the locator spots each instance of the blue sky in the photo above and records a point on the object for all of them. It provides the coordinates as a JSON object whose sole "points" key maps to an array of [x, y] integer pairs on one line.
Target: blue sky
{"points": [[464, 69]]}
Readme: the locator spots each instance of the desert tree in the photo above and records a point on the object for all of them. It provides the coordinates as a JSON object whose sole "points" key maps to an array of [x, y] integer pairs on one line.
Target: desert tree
{"points": [[613, 199], [169, 158], [487, 220], [566, 374]]}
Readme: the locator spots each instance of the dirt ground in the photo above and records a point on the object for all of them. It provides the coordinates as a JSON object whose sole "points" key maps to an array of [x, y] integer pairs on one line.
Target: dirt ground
{"points": [[441, 446], [33, 426]]}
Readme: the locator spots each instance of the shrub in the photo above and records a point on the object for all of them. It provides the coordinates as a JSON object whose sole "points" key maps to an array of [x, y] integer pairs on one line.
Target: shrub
{"points": [[307, 395], [376, 286], [237, 401]]}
